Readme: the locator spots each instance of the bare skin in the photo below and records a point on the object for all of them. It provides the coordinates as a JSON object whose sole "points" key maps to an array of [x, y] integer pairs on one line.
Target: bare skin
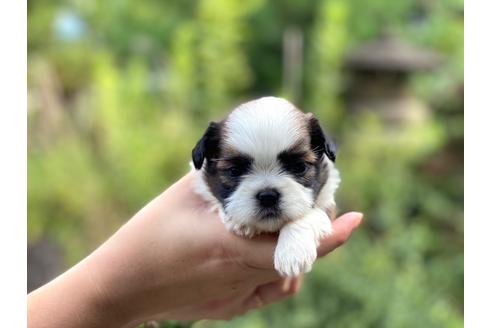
{"points": [[173, 260]]}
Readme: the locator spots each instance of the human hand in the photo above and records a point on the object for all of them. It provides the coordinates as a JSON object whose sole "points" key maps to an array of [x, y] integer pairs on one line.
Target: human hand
{"points": [[175, 260], [264, 294]]}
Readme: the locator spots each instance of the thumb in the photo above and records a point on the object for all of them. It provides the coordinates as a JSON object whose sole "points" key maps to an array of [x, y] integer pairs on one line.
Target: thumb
{"points": [[342, 230]]}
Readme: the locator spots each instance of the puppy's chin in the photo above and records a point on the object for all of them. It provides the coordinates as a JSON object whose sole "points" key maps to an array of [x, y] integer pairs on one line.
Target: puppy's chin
{"points": [[255, 225]]}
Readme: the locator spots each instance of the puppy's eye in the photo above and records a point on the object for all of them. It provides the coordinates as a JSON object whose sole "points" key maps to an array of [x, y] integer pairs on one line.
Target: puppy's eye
{"points": [[298, 168], [234, 171]]}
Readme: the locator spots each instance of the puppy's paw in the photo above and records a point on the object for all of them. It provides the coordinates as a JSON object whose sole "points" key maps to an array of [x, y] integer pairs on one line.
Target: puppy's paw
{"points": [[323, 229], [240, 230], [292, 259]]}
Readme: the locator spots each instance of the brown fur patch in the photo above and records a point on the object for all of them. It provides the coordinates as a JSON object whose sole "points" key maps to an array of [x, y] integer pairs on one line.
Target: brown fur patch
{"points": [[332, 212], [303, 149]]}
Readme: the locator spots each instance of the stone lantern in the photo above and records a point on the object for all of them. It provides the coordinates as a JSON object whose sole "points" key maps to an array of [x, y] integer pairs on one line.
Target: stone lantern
{"points": [[378, 73]]}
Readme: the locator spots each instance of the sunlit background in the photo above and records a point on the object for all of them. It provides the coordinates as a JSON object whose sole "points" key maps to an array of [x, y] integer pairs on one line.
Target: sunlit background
{"points": [[119, 92]]}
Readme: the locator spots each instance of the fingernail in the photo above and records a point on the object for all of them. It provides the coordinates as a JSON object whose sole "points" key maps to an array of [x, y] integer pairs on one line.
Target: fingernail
{"points": [[359, 216]]}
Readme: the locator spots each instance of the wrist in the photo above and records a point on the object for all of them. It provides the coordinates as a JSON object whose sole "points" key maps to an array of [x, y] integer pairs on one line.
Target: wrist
{"points": [[116, 277], [104, 273], [71, 300], [98, 300]]}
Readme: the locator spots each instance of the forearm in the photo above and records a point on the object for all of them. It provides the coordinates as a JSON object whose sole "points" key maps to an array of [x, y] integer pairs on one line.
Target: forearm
{"points": [[120, 283]]}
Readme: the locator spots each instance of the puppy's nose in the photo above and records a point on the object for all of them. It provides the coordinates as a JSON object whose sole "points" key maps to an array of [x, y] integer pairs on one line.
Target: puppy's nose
{"points": [[268, 197]]}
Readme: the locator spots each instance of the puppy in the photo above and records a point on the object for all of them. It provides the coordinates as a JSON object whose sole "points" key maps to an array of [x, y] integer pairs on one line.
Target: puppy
{"points": [[269, 167]]}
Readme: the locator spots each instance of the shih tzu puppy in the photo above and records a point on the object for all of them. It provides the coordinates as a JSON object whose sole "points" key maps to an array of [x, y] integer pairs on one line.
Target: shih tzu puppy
{"points": [[269, 167]]}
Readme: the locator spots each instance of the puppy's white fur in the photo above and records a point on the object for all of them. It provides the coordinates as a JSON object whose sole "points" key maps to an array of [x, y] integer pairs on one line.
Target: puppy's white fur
{"points": [[262, 129]]}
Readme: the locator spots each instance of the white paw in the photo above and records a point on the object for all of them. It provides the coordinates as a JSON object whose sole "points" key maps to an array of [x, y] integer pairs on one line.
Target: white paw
{"points": [[240, 229], [325, 228], [292, 259]]}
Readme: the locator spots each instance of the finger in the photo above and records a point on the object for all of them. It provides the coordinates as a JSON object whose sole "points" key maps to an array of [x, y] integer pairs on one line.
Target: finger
{"points": [[270, 293], [258, 251], [342, 230], [273, 292], [296, 284]]}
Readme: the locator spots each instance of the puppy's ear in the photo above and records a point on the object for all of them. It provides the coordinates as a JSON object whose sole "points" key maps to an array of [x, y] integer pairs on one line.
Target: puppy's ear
{"points": [[320, 141], [207, 146]]}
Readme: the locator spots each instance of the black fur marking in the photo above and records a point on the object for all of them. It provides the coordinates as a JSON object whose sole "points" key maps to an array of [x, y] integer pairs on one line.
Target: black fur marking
{"points": [[321, 177], [315, 175], [208, 146], [223, 175], [320, 141]]}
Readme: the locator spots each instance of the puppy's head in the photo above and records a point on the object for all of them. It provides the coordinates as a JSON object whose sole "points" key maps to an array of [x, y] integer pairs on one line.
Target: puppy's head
{"points": [[266, 163]]}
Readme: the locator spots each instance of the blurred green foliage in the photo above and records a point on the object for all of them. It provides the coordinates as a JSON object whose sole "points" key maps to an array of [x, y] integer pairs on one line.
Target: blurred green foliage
{"points": [[119, 92]]}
